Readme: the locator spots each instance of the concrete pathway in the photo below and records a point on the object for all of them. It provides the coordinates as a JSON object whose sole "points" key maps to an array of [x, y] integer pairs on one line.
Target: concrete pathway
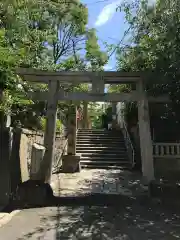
{"points": [[130, 220], [97, 181]]}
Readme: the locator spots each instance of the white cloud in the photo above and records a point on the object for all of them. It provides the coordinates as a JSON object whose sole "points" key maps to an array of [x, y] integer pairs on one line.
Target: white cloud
{"points": [[109, 10], [107, 13], [107, 67]]}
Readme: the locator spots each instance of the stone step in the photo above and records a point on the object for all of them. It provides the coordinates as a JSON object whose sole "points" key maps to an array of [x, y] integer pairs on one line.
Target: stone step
{"points": [[97, 158], [99, 150], [100, 136], [104, 162], [101, 146], [101, 133], [104, 158], [100, 140], [99, 143], [105, 132], [103, 155], [100, 166], [98, 130], [110, 140], [105, 144], [102, 149]]}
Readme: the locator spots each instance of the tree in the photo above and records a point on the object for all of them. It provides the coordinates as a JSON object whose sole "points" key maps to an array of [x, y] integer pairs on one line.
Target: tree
{"points": [[155, 44], [40, 34], [96, 58], [155, 49]]}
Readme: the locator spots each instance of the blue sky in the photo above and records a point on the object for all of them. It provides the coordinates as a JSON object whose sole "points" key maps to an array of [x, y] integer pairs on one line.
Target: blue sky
{"points": [[110, 25]]}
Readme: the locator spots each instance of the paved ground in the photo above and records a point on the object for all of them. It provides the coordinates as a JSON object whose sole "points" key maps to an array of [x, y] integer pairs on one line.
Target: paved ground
{"points": [[131, 219], [97, 181]]}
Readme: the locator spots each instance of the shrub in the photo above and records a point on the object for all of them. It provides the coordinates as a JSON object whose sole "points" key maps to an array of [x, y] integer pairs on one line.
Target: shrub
{"points": [[58, 124]]}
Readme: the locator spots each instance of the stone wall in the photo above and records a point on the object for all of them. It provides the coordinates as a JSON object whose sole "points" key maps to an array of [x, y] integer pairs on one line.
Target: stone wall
{"points": [[168, 168], [15, 158], [31, 137], [38, 137]]}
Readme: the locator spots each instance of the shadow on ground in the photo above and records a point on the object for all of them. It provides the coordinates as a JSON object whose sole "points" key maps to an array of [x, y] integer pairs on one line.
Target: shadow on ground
{"points": [[104, 216], [127, 220]]}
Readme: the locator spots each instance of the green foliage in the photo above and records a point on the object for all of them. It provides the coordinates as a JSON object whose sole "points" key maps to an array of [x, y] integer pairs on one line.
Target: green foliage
{"points": [[154, 49], [43, 124], [115, 88], [45, 35], [96, 57], [95, 111], [6, 103], [58, 125], [155, 45]]}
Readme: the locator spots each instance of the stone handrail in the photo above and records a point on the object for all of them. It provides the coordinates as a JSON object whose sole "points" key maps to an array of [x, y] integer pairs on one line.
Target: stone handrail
{"points": [[166, 150], [128, 143]]}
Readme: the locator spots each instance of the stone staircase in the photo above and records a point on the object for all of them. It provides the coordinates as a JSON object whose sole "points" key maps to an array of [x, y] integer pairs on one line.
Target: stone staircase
{"points": [[102, 149]]}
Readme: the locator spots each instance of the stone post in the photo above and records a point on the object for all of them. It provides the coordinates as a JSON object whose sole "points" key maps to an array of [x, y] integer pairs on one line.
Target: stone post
{"points": [[71, 162], [37, 156], [72, 126], [85, 115], [145, 135], [114, 116]]}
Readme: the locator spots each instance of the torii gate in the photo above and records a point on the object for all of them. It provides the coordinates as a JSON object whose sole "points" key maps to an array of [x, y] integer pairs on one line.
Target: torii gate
{"points": [[98, 80]]}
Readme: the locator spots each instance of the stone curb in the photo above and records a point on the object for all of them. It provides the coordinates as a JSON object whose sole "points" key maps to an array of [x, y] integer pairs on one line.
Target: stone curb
{"points": [[6, 217]]}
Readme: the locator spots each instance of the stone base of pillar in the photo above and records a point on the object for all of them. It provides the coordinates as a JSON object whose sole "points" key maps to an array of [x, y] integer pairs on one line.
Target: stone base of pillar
{"points": [[71, 163]]}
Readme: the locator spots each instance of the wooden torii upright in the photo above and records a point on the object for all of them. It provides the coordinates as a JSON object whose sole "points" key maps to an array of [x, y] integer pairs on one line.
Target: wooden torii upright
{"points": [[98, 80]]}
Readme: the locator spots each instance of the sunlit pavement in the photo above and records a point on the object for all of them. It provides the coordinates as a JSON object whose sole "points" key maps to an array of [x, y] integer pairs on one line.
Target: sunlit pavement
{"points": [[98, 181]]}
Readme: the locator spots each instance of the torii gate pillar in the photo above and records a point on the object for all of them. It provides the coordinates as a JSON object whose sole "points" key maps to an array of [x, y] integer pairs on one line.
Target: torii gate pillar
{"points": [[50, 133], [145, 135]]}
